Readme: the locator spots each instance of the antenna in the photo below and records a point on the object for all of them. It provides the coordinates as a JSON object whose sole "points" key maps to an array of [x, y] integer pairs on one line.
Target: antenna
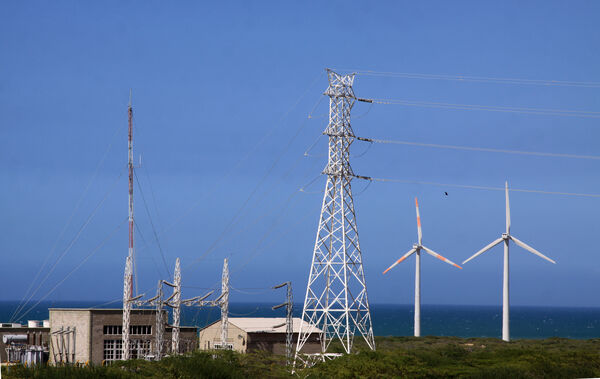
{"points": [[417, 249], [336, 295], [506, 237], [288, 321], [130, 262]]}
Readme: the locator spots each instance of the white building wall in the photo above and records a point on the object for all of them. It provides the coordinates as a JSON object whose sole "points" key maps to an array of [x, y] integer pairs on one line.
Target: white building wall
{"points": [[211, 335], [81, 320]]}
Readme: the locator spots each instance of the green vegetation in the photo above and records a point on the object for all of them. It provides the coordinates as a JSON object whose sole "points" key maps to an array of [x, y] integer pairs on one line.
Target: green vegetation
{"points": [[427, 357]]}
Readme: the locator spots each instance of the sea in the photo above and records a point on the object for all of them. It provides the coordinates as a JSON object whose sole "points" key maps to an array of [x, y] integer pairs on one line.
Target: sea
{"points": [[526, 322]]}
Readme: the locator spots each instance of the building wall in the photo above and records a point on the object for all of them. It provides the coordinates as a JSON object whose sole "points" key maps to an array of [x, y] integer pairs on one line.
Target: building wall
{"points": [[36, 337], [112, 317], [212, 334], [90, 332], [81, 320], [243, 342], [275, 343]]}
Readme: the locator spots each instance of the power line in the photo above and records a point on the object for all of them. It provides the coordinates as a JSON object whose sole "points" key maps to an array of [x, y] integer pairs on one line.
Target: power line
{"points": [[479, 187], [162, 254], [94, 251], [69, 220], [489, 108], [485, 149], [479, 79], [235, 218], [71, 243], [245, 158]]}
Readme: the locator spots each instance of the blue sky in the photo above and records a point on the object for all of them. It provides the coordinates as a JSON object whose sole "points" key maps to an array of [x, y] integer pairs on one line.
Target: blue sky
{"points": [[220, 91]]}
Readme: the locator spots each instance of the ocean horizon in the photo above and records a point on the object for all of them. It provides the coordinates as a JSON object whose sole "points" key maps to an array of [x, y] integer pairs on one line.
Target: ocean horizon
{"points": [[527, 322]]}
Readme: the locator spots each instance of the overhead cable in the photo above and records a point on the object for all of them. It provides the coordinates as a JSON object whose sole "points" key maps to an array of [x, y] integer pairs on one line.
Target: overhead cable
{"points": [[485, 149], [94, 251], [489, 108], [480, 79], [68, 223], [162, 254], [245, 158], [71, 243], [478, 187]]}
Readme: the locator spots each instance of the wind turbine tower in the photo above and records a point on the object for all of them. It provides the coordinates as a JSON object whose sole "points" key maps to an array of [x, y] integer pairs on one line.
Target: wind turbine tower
{"points": [[506, 237], [416, 249], [336, 295]]}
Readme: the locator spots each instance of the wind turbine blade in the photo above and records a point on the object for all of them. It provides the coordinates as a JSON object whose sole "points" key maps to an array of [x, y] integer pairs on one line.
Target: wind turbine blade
{"points": [[485, 249], [431, 252], [507, 208], [400, 260], [530, 249], [419, 232]]}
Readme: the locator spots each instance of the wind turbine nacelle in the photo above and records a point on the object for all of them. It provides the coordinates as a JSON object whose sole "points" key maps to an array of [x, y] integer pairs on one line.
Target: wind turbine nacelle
{"points": [[505, 236]]}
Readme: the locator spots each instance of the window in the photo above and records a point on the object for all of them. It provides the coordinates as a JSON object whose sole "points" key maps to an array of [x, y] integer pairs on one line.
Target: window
{"points": [[133, 329], [139, 348], [140, 329], [113, 329], [113, 350]]}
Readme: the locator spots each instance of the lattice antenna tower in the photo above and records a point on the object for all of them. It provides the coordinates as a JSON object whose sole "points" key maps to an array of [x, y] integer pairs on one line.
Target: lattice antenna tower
{"points": [[289, 321], [336, 295], [128, 277], [224, 303]]}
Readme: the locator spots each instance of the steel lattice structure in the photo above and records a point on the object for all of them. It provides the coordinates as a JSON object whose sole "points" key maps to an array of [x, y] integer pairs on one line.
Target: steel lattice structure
{"points": [[336, 295], [289, 321], [176, 305], [126, 307], [128, 277], [224, 304]]}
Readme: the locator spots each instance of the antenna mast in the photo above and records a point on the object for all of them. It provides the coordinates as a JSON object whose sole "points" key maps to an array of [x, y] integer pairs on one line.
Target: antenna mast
{"points": [[336, 295], [128, 278]]}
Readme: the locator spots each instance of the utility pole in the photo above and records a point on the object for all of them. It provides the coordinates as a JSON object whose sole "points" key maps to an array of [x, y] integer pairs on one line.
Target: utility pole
{"points": [[224, 303], [336, 295], [289, 321]]}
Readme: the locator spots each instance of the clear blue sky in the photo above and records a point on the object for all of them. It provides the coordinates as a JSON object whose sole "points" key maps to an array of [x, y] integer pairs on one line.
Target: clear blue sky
{"points": [[211, 79]]}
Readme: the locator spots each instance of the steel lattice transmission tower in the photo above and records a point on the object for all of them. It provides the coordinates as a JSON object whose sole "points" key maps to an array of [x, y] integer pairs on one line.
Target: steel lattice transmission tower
{"points": [[336, 295]]}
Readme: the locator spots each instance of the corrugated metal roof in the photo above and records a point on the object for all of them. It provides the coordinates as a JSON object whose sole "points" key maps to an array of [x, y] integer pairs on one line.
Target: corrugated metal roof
{"points": [[266, 324]]}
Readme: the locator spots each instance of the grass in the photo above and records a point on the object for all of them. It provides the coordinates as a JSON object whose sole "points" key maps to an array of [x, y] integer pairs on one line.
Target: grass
{"points": [[426, 357]]}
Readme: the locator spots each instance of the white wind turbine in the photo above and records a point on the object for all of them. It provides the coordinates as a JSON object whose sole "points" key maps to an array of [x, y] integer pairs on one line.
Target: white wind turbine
{"points": [[417, 249], [506, 237]]}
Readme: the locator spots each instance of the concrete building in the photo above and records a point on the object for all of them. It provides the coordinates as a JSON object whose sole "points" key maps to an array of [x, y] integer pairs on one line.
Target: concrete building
{"points": [[256, 333], [21, 338], [94, 335]]}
